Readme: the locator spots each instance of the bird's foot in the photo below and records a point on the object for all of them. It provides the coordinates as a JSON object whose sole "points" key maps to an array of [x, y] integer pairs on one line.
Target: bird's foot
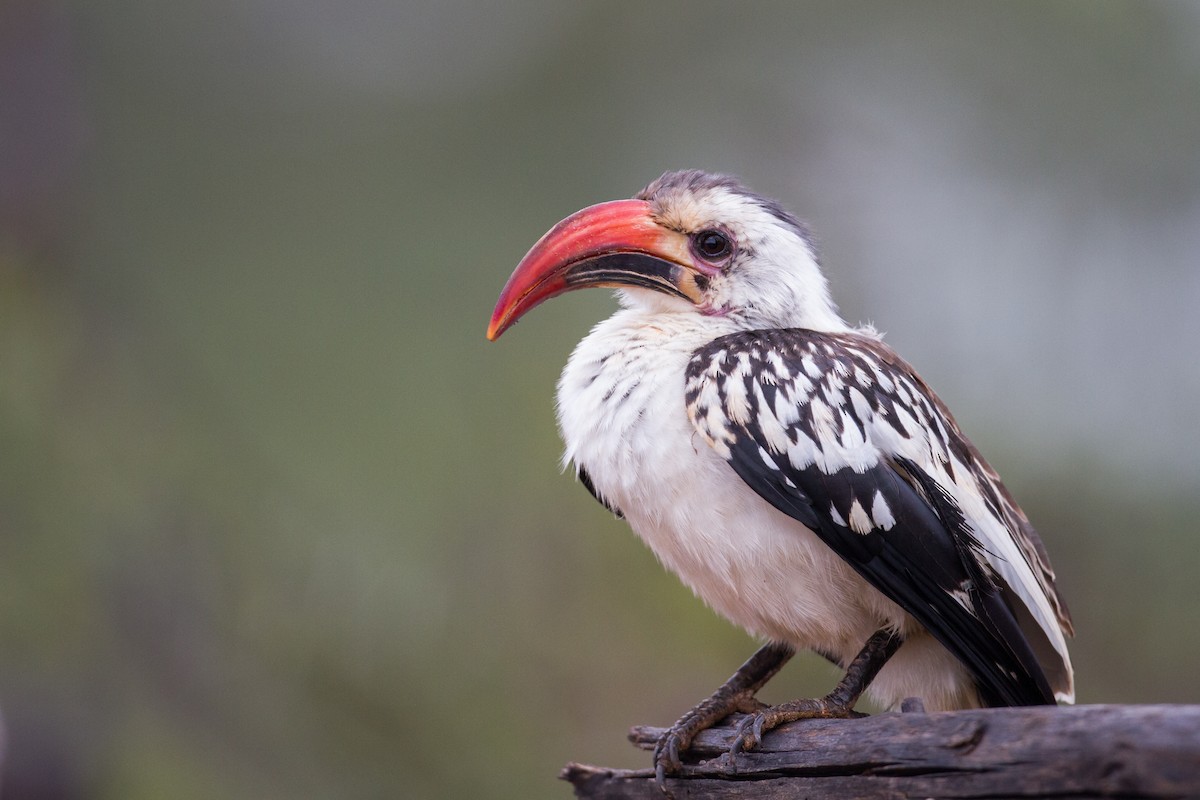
{"points": [[838, 704], [679, 737], [736, 694], [750, 732]]}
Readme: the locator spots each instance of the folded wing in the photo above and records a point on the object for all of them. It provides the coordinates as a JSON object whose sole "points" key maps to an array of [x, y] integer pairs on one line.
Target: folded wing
{"points": [[839, 433]]}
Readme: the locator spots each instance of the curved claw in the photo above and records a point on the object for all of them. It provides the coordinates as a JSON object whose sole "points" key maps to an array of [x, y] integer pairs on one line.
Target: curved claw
{"points": [[759, 721], [666, 759], [747, 736]]}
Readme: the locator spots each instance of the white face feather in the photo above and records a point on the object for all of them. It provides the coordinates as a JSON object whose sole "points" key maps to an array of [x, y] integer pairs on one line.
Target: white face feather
{"points": [[772, 280]]}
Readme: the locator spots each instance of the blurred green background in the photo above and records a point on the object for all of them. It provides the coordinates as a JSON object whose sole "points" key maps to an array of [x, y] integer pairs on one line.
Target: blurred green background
{"points": [[276, 521]]}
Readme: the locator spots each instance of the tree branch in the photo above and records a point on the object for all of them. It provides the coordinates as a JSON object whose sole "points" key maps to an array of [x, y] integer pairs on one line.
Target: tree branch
{"points": [[1036, 752]]}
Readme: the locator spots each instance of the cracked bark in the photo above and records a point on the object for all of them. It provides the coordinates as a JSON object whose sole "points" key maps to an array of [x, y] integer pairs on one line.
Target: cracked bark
{"points": [[1038, 752]]}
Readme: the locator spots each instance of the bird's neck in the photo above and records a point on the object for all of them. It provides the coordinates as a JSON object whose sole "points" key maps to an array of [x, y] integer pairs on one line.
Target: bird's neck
{"points": [[640, 307]]}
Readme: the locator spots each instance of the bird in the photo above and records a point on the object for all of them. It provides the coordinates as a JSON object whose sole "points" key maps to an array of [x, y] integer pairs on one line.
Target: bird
{"points": [[790, 468]]}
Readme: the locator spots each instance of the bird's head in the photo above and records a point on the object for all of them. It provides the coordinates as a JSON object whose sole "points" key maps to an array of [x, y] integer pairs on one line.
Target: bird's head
{"points": [[689, 243]]}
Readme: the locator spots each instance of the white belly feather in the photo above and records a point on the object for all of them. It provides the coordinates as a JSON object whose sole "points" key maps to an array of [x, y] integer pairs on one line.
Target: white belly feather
{"points": [[623, 418]]}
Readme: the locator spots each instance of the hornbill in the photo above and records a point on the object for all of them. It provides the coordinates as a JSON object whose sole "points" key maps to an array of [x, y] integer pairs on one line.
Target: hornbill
{"points": [[790, 468]]}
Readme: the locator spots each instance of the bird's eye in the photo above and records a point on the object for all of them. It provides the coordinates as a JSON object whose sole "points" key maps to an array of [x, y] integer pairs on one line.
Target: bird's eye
{"points": [[712, 245]]}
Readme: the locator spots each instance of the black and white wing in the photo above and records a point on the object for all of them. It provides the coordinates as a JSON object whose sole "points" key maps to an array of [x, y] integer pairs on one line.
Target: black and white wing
{"points": [[838, 432]]}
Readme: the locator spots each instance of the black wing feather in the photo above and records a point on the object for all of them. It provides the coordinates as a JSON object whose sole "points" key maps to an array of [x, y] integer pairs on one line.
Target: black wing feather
{"points": [[586, 480], [925, 561]]}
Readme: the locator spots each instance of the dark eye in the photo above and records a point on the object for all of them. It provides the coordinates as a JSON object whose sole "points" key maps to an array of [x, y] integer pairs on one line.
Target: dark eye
{"points": [[712, 245]]}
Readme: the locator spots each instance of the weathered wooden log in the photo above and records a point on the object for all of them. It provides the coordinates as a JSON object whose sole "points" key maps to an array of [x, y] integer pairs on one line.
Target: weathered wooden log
{"points": [[1081, 751]]}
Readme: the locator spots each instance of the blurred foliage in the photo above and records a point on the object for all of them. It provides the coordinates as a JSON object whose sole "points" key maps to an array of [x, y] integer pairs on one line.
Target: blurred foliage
{"points": [[278, 522]]}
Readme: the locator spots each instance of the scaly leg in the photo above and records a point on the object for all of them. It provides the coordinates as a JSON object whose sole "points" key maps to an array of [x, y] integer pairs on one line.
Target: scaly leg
{"points": [[838, 704], [736, 694]]}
